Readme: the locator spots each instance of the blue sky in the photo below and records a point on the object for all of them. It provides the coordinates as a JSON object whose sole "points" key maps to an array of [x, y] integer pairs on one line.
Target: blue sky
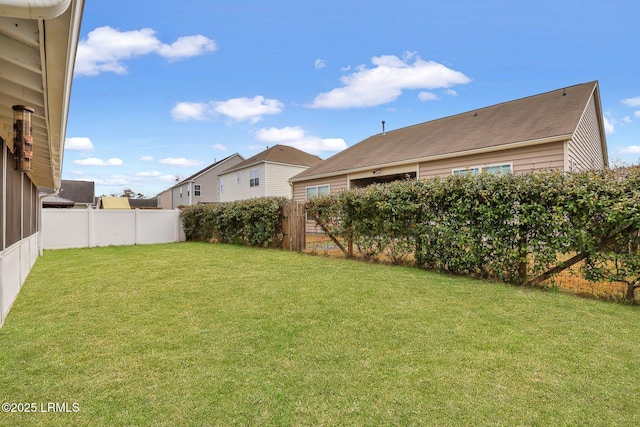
{"points": [[162, 89]]}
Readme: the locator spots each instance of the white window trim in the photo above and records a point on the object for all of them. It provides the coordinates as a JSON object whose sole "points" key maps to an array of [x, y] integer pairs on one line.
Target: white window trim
{"points": [[306, 190], [481, 167], [197, 190], [252, 180]]}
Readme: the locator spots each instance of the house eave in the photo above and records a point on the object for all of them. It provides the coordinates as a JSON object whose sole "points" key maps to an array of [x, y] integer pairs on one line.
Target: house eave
{"points": [[557, 138]]}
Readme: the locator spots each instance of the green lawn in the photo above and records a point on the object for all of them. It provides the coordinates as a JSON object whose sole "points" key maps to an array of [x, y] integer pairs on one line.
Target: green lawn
{"points": [[201, 334]]}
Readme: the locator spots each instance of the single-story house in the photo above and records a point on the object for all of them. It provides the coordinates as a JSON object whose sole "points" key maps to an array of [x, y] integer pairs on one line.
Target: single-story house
{"points": [[36, 70], [57, 202], [150, 203], [201, 187], [111, 202], [266, 174], [562, 129], [83, 193], [72, 194]]}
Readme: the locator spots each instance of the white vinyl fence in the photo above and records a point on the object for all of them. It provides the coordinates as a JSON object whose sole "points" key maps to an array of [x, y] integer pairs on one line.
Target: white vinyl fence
{"points": [[87, 228]]}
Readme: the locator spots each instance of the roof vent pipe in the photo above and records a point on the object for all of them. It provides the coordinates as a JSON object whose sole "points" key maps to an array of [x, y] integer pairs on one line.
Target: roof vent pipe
{"points": [[383, 128]]}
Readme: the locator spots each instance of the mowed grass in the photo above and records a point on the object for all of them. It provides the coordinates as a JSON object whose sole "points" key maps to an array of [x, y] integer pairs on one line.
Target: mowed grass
{"points": [[202, 334]]}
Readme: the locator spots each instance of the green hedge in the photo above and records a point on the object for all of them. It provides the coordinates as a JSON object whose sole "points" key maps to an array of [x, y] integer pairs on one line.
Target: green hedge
{"points": [[505, 226], [253, 222]]}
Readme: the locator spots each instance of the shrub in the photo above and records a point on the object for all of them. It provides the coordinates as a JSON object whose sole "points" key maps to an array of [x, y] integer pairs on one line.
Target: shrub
{"points": [[504, 226], [253, 222]]}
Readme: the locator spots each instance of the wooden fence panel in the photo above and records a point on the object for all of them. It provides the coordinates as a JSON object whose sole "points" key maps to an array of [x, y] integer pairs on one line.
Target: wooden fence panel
{"points": [[293, 226]]}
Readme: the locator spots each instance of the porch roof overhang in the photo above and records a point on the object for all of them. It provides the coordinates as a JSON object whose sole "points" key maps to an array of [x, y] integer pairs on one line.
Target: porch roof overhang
{"points": [[38, 43]]}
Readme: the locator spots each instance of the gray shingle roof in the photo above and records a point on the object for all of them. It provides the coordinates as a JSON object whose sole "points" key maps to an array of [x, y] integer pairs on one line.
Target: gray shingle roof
{"points": [[552, 114], [279, 154], [78, 191]]}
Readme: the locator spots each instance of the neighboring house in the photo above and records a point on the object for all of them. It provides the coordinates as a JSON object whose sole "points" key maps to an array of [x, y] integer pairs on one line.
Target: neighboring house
{"points": [[562, 129], [72, 194], [57, 202], [110, 202], [144, 203], [265, 174], [201, 187], [81, 192], [36, 71]]}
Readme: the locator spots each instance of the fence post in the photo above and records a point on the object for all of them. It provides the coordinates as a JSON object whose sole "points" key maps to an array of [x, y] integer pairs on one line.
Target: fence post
{"points": [[91, 227], [137, 226]]}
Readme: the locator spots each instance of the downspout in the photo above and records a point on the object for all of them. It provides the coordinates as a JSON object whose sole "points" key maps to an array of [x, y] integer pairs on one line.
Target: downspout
{"points": [[33, 9], [40, 231]]}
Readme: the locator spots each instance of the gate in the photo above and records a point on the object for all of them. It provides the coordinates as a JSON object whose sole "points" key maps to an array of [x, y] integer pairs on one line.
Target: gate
{"points": [[293, 226]]}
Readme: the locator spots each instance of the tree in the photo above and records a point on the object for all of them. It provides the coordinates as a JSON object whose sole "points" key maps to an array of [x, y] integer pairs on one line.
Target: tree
{"points": [[129, 194]]}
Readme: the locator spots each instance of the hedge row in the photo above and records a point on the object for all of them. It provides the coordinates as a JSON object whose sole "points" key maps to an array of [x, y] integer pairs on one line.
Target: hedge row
{"points": [[254, 222], [504, 226]]}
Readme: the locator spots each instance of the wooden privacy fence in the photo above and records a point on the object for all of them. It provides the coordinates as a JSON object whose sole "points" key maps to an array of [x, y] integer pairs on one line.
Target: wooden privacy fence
{"points": [[293, 226]]}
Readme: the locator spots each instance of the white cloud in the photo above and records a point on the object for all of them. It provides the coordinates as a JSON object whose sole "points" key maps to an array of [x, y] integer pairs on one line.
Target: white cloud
{"points": [[186, 47], [148, 174], [184, 111], [427, 96], [320, 63], [116, 180], [632, 149], [608, 125], [627, 119], [167, 178], [146, 158], [239, 109], [368, 87], [79, 143], [636, 113], [632, 102], [180, 161], [93, 161], [252, 109], [296, 137], [220, 147], [106, 48]]}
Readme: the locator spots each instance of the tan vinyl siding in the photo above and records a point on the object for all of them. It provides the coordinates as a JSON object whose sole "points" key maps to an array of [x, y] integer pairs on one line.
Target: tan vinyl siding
{"points": [[336, 184], [180, 201], [524, 159], [277, 179], [210, 181], [585, 148], [242, 190], [164, 200]]}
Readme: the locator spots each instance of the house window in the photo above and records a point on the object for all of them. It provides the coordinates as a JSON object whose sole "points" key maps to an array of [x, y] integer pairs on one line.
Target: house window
{"points": [[254, 178], [222, 185], [197, 190], [466, 171], [181, 192], [493, 169], [316, 191], [239, 178]]}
